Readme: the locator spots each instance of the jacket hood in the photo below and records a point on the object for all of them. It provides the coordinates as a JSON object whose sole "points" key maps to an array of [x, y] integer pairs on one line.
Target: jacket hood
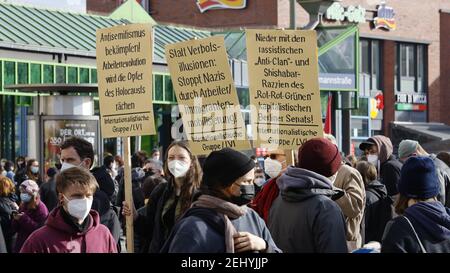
{"points": [[384, 146], [378, 188], [298, 184], [430, 218], [56, 221]]}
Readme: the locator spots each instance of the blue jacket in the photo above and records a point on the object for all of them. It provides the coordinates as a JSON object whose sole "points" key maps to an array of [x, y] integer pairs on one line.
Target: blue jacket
{"points": [[431, 221]]}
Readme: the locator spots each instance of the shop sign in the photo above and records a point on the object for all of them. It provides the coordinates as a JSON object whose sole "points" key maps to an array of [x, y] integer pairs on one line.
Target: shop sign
{"points": [[385, 17], [205, 5], [410, 107], [336, 81], [411, 98], [339, 13]]}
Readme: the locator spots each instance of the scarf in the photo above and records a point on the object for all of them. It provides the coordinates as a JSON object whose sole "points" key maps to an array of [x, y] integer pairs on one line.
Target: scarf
{"points": [[227, 210]]}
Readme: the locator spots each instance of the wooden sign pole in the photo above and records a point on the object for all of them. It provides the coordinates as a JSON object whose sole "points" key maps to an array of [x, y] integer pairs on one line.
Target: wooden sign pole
{"points": [[290, 160], [128, 194]]}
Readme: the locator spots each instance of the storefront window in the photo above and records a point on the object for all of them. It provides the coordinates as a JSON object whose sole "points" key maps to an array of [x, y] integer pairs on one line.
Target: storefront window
{"points": [[22, 73], [421, 85], [363, 109], [360, 121], [169, 94], [60, 72], [10, 73], [243, 97], [84, 75], [360, 128], [93, 75], [370, 65], [35, 73], [411, 68], [159, 87], [72, 73], [48, 74]]}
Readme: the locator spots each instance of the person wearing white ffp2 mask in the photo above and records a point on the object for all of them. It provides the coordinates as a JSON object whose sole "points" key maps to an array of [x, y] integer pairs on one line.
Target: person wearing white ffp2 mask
{"points": [[183, 174], [76, 152], [73, 227], [272, 167]]}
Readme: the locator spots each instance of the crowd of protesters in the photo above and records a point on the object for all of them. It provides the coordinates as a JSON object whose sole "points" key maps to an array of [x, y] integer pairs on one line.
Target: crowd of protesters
{"points": [[322, 202]]}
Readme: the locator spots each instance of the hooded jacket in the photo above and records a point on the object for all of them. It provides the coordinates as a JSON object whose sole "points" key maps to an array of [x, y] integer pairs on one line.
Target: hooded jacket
{"points": [[29, 222], [304, 218], [352, 203], [431, 221], [57, 236], [390, 166], [378, 211]]}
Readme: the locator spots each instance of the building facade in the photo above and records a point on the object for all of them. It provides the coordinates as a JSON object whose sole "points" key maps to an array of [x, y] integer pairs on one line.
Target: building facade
{"points": [[403, 61]]}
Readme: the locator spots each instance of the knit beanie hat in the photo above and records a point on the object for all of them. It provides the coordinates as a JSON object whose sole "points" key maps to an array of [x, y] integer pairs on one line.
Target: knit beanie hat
{"points": [[407, 147], [320, 156], [225, 167], [418, 178], [30, 187]]}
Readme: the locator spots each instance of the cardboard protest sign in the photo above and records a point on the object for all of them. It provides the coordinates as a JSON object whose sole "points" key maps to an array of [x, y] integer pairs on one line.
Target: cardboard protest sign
{"points": [[284, 87], [206, 95], [124, 67]]}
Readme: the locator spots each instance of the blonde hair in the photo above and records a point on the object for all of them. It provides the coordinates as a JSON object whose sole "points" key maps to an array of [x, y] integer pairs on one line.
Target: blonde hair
{"points": [[6, 186]]}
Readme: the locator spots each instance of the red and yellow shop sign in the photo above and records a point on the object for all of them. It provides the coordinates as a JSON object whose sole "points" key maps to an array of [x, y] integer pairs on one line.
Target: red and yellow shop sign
{"points": [[205, 5]]}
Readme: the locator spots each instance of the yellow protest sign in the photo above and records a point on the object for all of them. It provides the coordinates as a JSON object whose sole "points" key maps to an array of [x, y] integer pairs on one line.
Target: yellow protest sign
{"points": [[206, 95], [124, 68], [284, 87]]}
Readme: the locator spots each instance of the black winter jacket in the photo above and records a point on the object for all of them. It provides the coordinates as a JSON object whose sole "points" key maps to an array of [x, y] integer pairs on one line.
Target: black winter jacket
{"points": [[378, 211], [390, 174]]}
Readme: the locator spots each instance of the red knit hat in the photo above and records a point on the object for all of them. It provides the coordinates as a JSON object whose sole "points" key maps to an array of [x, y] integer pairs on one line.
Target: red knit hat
{"points": [[320, 156]]}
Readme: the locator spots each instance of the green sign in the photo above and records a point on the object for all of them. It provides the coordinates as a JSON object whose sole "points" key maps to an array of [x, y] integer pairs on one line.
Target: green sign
{"points": [[353, 14]]}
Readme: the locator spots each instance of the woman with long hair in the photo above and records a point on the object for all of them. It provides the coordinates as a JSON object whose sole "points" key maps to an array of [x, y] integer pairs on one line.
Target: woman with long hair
{"points": [[168, 201], [423, 224]]}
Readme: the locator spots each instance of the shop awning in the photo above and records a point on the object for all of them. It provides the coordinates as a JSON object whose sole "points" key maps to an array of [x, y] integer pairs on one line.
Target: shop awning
{"points": [[434, 137]]}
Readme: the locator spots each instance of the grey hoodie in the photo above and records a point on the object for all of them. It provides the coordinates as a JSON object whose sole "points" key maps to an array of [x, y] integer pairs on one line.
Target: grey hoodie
{"points": [[304, 218]]}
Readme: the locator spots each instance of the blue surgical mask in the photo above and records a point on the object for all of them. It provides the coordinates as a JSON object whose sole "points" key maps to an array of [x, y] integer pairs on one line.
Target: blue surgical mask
{"points": [[25, 197], [35, 170]]}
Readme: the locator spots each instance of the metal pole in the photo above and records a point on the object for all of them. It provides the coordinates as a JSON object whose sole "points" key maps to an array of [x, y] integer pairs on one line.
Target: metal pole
{"points": [[292, 14]]}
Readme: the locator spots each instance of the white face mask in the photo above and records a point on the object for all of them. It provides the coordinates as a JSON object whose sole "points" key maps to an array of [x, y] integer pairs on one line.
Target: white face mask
{"points": [[272, 167], [373, 159], [259, 181], [4, 173], [178, 168], [66, 166], [79, 208]]}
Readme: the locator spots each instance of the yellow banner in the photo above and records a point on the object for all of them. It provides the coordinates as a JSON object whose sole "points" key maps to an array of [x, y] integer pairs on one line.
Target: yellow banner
{"points": [[284, 88], [206, 95], [124, 68]]}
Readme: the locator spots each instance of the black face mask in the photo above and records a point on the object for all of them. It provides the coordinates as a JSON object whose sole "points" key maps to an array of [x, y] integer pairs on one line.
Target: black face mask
{"points": [[247, 194]]}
